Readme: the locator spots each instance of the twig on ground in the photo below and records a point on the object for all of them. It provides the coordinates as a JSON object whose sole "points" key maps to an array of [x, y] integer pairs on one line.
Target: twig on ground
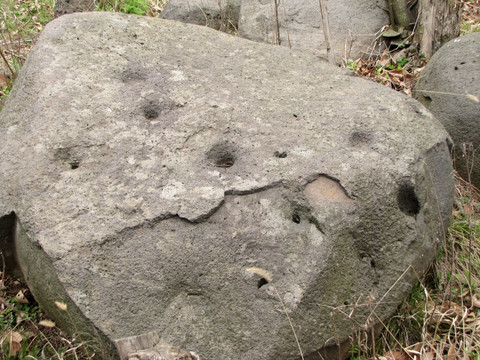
{"points": [[6, 62]]}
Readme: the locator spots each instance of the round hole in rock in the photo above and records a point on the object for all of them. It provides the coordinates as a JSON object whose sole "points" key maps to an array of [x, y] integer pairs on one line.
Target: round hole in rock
{"points": [[151, 110], [407, 199], [222, 155], [425, 100], [358, 138], [262, 282], [74, 164], [296, 218]]}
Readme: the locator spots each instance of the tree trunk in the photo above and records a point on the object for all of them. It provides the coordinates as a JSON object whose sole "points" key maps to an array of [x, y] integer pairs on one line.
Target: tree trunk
{"points": [[438, 21]]}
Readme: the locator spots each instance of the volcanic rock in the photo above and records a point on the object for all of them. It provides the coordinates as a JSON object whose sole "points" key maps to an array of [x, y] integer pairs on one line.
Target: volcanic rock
{"points": [[160, 177]]}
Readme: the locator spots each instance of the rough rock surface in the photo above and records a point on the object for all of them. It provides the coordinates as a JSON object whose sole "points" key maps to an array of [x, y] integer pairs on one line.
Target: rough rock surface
{"points": [[63, 7], [353, 25], [453, 72], [152, 167], [217, 14]]}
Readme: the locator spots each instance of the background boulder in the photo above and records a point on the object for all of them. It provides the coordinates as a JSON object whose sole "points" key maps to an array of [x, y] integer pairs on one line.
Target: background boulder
{"points": [[63, 7], [354, 25], [451, 75], [170, 179], [217, 14]]}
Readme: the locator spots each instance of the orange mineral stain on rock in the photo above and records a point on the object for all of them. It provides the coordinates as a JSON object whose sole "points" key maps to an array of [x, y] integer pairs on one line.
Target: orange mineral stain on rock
{"points": [[325, 190]]}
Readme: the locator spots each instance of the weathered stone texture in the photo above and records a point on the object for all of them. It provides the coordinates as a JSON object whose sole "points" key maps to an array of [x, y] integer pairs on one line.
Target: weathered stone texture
{"points": [[354, 25], [445, 87], [217, 14], [63, 7], [150, 163]]}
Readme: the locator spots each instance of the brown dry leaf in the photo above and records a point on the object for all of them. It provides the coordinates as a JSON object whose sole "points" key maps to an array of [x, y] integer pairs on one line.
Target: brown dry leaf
{"points": [[4, 81], [396, 355], [467, 209], [430, 355], [396, 73], [470, 317], [450, 308], [417, 347], [14, 342], [475, 302], [452, 354], [413, 352], [384, 60]]}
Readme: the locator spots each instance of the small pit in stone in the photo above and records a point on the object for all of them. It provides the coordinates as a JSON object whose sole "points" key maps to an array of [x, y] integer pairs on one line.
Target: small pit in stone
{"points": [[70, 156], [407, 199], [262, 282], [425, 99], [74, 164], [358, 138], [222, 155], [296, 218], [280, 154], [134, 72], [151, 110]]}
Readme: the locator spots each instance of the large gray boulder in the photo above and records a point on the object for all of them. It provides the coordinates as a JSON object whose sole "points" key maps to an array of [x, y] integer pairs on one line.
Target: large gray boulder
{"points": [[446, 87], [354, 25], [63, 7], [166, 180], [218, 14]]}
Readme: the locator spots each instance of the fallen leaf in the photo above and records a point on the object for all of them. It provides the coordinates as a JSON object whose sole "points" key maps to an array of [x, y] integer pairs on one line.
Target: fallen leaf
{"points": [[396, 355], [452, 354], [475, 302], [14, 342], [430, 355], [417, 347], [4, 81], [450, 308]]}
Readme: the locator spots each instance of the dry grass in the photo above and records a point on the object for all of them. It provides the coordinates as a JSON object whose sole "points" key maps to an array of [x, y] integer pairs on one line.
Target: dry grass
{"points": [[25, 330], [440, 319], [21, 22], [471, 16]]}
